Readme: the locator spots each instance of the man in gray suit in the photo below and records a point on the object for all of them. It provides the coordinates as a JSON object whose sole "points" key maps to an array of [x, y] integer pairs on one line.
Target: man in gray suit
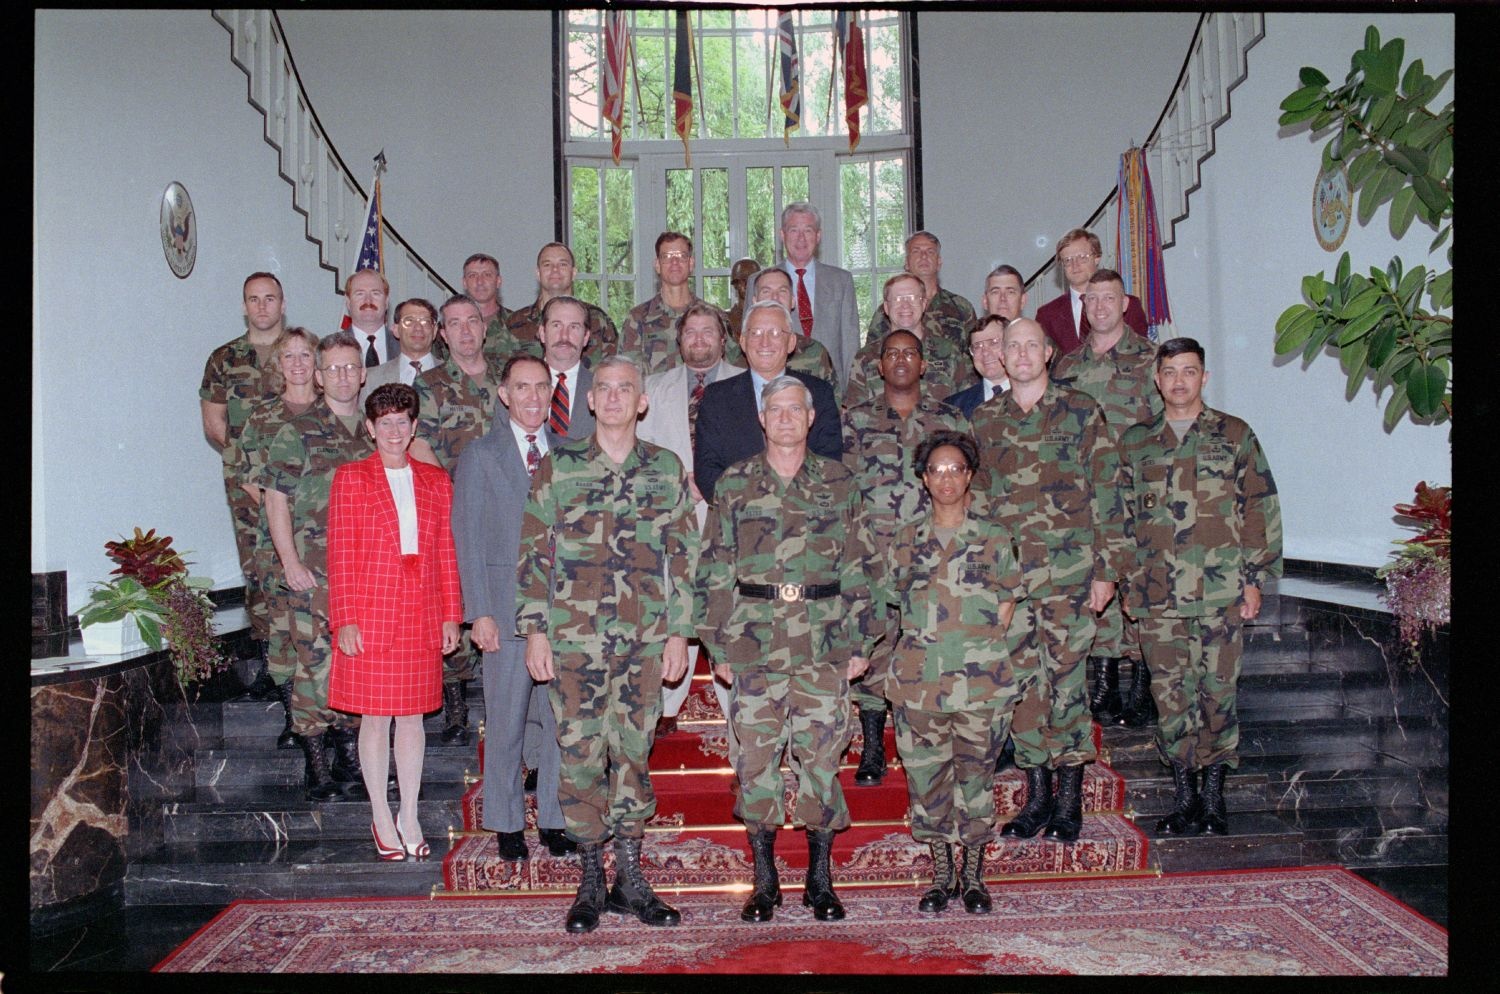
{"points": [[415, 328], [490, 484], [674, 395], [564, 334], [833, 318]]}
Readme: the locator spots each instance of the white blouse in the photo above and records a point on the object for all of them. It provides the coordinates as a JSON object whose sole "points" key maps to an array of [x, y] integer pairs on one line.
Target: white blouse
{"points": [[405, 496]]}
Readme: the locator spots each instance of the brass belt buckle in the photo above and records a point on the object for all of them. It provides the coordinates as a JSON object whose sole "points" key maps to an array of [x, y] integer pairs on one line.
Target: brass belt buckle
{"points": [[790, 591]]}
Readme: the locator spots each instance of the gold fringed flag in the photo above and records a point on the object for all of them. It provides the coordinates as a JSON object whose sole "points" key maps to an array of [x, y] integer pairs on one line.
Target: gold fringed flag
{"points": [[791, 77], [616, 46], [682, 84], [851, 50]]}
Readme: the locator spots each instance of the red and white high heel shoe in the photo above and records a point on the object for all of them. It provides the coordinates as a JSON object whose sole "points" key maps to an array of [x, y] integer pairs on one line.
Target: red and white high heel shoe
{"points": [[389, 854], [421, 850]]}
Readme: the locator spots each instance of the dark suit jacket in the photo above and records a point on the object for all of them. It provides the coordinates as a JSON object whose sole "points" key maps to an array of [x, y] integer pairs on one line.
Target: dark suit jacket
{"points": [[490, 485], [728, 429], [581, 425], [969, 398], [1056, 318]]}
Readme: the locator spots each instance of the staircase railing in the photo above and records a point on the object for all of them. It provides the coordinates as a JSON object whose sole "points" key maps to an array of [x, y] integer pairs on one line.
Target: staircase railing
{"points": [[324, 190], [1182, 137]]}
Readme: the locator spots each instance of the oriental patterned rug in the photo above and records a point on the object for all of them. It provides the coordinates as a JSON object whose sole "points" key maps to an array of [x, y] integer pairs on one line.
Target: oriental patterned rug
{"points": [[1312, 921]]}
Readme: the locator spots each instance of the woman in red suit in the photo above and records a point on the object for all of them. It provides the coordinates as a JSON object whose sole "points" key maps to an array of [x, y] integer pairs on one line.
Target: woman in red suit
{"points": [[394, 607]]}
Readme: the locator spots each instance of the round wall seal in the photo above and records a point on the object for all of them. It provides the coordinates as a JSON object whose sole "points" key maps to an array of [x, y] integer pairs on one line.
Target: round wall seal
{"points": [[179, 230], [1332, 207]]}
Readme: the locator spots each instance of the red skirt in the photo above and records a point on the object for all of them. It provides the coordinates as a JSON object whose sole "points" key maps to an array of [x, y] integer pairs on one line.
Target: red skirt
{"points": [[405, 677]]}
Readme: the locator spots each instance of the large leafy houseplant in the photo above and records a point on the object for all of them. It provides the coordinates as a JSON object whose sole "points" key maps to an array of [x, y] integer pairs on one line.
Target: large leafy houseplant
{"points": [[168, 605], [1390, 326]]}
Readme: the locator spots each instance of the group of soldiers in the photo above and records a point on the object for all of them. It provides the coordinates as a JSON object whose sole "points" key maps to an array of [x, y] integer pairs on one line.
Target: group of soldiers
{"points": [[947, 515]]}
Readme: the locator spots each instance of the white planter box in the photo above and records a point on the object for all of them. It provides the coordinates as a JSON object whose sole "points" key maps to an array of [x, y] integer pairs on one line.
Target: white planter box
{"points": [[113, 638]]}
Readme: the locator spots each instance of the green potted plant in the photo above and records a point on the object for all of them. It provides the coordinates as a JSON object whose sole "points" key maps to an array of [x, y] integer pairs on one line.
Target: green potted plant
{"points": [[1419, 581], [154, 602]]}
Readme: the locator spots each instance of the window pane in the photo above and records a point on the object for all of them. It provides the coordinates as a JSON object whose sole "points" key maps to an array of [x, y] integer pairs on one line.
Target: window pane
{"points": [[583, 84], [619, 206], [584, 240], [680, 202], [650, 70], [760, 214], [621, 300], [815, 50], [884, 44], [716, 98], [716, 291], [713, 252], [854, 182], [586, 290], [862, 294], [793, 184], [890, 213], [750, 55]]}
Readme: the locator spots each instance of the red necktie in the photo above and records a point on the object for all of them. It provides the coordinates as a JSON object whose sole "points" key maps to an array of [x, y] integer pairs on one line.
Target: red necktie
{"points": [[558, 420], [533, 456], [804, 306]]}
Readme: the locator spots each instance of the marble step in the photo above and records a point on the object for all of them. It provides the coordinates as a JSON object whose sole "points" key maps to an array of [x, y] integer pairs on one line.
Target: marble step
{"points": [[1268, 785], [285, 767], [221, 872], [245, 723], [262, 813], [1288, 648], [1259, 839], [1369, 836], [1357, 741]]}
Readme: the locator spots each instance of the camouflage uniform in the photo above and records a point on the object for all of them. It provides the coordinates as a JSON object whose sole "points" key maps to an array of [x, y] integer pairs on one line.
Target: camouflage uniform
{"points": [[300, 462], [952, 317], [519, 334], [789, 657], [949, 368], [950, 676], [651, 331], [878, 446], [1055, 474], [1122, 382], [493, 331], [238, 375], [605, 572], [1202, 520], [252, 449]]}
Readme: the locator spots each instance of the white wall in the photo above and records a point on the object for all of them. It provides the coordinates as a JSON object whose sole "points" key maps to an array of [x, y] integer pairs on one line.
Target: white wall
{"points": [[118, 341], [1024, 118], [461, 102], [1238, 263]]}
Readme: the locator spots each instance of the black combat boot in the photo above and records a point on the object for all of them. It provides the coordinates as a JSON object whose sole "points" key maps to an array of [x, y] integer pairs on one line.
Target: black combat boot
{"points": [[872, 756], [1212, 817], [631, 895], [1037, 810], [1139, 710], [971, 881], [1067, 813], [1105, 702], [262, 688], [345, 769], [455, 714], [766, 897], [288, 738], [1183, 818], [944, 878], [320, 786], [1007, 757], [817, 892], [583, 916]]}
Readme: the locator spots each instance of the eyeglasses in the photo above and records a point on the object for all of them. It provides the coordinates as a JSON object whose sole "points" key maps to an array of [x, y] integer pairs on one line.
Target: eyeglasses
{"points": [[906, 298], [342, 369], [676, 255], [412, 321], [756, 334], [908, 352], [1078, 260], [993, 345], [954, 470]]}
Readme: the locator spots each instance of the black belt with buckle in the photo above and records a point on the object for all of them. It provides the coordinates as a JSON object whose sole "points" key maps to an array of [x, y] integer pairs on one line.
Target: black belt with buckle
{"points": [[789, 591]]}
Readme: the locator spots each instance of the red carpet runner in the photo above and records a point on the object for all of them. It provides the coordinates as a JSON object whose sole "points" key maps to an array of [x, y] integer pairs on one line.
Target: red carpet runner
{"points": [[1312, 921], [695, 843]]}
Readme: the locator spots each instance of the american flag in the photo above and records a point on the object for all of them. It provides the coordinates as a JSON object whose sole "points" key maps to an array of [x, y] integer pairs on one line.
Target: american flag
{"points": [[851, 50], [616, 48], [791, 76], [371, 255]]}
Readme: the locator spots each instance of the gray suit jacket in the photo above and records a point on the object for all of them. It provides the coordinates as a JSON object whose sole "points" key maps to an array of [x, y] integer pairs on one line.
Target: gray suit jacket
{"points": [[490, 485], [665, 422], [835, 314], [386, 372], [581, 424]]}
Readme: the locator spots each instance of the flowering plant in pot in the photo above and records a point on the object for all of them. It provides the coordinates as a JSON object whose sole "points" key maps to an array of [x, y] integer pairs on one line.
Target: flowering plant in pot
{"points": [[167, 605], [1418, 582]]}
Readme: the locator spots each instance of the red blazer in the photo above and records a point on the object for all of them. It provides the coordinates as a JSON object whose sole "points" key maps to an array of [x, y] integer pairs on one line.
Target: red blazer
{"points": [[364, 552], [1056, 318]]}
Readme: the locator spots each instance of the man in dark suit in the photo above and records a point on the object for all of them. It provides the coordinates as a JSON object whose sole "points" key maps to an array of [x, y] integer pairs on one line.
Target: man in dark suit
{"points": [[564, 335], [1063, 319], [729, 413], [490, 485], [986, 349]]}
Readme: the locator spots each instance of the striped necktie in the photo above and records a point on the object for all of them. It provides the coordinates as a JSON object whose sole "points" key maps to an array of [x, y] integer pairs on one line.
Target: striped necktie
{"points": [[558, 420]]}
